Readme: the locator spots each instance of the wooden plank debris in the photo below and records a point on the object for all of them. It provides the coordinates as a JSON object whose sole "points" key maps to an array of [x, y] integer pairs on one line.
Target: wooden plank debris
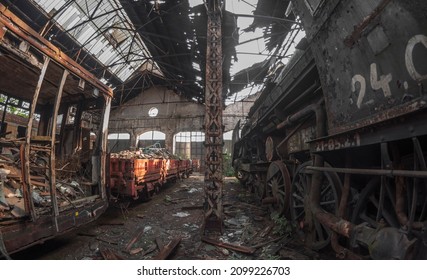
{"points": [[137, 235], [109, 254], [266, 230], [238, 248], [135, 251], [167, 250], [114, 242], [149, 250]]}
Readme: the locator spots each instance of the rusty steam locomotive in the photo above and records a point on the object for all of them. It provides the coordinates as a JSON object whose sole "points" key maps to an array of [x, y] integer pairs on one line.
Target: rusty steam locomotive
{"points": [[338, 144]]}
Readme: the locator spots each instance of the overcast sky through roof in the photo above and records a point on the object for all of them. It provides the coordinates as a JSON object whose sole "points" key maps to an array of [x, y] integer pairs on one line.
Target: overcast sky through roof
{"points": [[248, 53]]}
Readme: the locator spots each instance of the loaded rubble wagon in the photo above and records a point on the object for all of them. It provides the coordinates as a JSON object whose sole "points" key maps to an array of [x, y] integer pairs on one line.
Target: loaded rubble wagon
{"points": [[138, 174]]}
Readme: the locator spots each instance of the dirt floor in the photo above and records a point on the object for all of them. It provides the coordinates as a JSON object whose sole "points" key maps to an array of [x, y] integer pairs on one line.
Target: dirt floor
{"points": [[174, 217]]}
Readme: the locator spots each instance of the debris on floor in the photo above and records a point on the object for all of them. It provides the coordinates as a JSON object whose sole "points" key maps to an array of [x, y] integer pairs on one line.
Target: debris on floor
{"points": [[160, 229]]}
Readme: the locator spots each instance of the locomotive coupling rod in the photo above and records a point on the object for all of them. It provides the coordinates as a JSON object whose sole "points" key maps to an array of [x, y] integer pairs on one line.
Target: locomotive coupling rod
{"points": [[377, 172]]}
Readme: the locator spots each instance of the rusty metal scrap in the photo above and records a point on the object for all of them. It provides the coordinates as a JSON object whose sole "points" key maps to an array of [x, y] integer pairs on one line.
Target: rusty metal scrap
{"points": [[152, 153], [69, 187]]}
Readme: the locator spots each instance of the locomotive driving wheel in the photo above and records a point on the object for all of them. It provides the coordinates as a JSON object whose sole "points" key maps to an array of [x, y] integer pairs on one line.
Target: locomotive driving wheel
{"points": [[330, 194], [377, 205], [278, 188]]}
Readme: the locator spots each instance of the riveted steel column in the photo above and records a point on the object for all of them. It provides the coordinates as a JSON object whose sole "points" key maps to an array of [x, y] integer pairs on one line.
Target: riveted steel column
{"points": [[213, 119]]}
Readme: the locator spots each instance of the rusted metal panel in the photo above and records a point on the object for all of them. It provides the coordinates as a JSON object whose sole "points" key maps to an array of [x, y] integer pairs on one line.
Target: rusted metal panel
{"points": [[411, 126], [24, 234], [390, 79], [17, 26], [299, 140]]}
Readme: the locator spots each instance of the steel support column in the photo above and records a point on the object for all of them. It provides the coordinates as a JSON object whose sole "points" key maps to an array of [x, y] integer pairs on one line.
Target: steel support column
{"points": [[213, 119]]}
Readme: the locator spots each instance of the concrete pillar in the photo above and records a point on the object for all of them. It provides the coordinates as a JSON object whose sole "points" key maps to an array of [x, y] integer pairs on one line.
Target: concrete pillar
{"points": [[133, 139], [169, 140]]}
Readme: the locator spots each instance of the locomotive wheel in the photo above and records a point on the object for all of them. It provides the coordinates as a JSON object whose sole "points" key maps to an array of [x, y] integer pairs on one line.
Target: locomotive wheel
{"points": [[368, 206], [330, 194], [278, 187]]}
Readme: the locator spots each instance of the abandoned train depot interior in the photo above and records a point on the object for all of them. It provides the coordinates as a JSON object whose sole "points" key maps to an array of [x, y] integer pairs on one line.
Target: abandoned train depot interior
{"points": [[213, 130]]}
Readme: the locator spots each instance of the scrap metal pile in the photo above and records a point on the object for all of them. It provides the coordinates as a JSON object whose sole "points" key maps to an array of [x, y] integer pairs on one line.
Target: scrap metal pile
{"points": [[147, 153], [70, 185]]}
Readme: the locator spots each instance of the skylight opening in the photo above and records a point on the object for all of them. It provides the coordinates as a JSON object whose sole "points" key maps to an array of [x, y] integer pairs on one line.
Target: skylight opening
{"points": [[114, 42]]}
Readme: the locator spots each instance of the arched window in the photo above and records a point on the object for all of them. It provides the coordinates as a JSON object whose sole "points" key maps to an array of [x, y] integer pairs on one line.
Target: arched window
{"points": [[118, 142], [190, 144], [151, 138]]}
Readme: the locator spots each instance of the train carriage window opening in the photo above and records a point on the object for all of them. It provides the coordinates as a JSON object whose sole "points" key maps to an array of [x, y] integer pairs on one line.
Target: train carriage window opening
{"points": [[14, 116], [72, 110]]}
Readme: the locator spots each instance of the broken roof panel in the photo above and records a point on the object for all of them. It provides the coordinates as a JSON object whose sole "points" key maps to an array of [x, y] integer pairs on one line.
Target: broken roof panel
{"points": [[103, 29]]}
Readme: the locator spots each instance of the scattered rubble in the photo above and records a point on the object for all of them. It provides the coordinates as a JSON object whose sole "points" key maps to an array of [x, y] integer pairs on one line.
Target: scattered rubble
{"points": [[155, 230]]}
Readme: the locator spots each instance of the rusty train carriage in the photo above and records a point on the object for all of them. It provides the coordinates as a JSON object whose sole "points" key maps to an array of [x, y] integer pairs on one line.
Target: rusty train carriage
{"points": [[53, 177], [338, 146]]}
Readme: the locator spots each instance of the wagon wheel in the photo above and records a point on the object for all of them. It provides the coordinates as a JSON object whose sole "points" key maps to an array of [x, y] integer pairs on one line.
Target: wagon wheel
{"points": [[330, 194], [278, 187], [144, 194]]}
